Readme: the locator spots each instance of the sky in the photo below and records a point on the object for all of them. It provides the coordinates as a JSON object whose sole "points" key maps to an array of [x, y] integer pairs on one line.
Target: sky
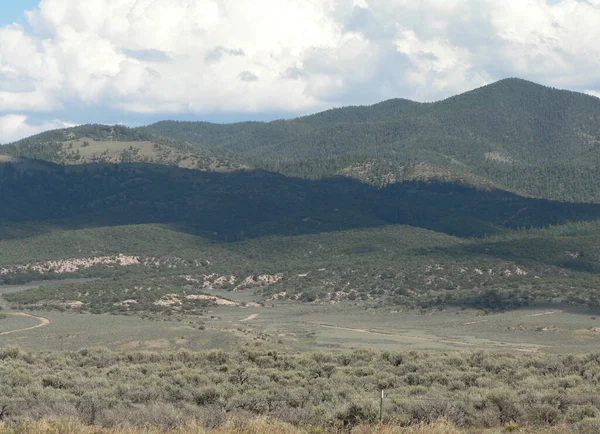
{"points": [[13, 11], [133, 62]]}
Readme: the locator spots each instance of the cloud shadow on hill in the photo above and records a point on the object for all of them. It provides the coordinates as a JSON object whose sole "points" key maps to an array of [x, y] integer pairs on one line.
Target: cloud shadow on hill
{"points": [[228, 207]]}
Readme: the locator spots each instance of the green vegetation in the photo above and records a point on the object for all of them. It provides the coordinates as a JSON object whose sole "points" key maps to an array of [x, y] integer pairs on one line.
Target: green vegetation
{"points": [[411, 244], [321, 390], [291, 326], [388, 265]]}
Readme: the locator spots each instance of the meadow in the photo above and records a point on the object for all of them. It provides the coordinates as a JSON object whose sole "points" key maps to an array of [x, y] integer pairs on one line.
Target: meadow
{"points": [[283, 325]]}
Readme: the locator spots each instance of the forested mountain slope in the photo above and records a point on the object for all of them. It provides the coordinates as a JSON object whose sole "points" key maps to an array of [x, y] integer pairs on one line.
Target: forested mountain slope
{"points": [[513, 134], [259, 203], [518, 120]]}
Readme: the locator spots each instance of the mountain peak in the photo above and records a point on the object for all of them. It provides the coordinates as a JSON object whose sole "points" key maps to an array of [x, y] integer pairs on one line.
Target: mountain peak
{"points": [[516, 84]]}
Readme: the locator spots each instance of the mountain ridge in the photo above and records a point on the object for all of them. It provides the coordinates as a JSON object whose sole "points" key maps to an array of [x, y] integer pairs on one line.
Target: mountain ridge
{"points": [[512, 134]]}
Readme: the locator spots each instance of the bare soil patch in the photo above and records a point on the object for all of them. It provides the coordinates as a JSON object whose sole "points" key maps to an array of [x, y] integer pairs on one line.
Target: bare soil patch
{"points": [[546, 313]]}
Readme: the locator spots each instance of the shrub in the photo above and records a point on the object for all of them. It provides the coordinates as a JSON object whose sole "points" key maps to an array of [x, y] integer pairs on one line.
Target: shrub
{"points": [[356, 414], [10, 352], [580, 412], [588, 426], [506, 403], [544, 414], [209, 395]]}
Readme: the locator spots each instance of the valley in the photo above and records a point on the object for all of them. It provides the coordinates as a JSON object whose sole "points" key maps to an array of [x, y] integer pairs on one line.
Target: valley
{"points": [[288, 325]]}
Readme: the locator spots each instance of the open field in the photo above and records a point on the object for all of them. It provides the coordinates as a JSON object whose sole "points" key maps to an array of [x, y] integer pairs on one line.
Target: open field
{"points": [[85, 150], [90, 149], [299, 326], [9, 323], [523, 330]]}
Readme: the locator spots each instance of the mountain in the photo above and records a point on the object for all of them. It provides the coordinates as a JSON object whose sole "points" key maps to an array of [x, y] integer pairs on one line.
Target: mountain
{"points": [[513, 134], [511, 120]]}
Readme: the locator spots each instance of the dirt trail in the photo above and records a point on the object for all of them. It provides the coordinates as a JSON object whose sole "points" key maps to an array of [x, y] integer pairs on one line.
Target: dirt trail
{"points": [[250, 317], [475, 322], [43, 322], [508, 220], [546, 313]]}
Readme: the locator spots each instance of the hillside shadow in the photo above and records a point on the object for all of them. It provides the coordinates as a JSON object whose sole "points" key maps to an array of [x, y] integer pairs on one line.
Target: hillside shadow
{"points": [[229, 207]]}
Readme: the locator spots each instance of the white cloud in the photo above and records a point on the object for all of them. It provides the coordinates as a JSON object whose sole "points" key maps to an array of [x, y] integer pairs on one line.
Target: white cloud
{"points": [[556, 42], [437, 66], [14, 127], [208, 56], [593, 93]]}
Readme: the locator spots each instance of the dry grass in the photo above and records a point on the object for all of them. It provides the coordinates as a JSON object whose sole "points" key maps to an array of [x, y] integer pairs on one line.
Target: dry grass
{"points": [[446, 427], [259, 426], [67, 426]]}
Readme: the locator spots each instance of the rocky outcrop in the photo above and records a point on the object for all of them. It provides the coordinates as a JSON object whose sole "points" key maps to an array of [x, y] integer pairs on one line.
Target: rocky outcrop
{"points": [[259, 281], [64, 266], [175, 299], [215, 281]]}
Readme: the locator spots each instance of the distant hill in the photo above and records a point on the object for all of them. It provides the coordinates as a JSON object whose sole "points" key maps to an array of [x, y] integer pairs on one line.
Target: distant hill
{"points": [[116, 144], [412, 243], [511, 121], [512, 135]]}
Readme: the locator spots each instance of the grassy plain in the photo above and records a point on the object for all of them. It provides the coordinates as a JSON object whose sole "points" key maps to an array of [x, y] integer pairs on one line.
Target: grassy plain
{"points": [[302, 327], [353, 327]]}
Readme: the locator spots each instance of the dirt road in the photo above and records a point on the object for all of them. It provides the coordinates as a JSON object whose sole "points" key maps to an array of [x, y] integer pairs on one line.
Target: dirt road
{"points": [[43, 322], [546, 313]]}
